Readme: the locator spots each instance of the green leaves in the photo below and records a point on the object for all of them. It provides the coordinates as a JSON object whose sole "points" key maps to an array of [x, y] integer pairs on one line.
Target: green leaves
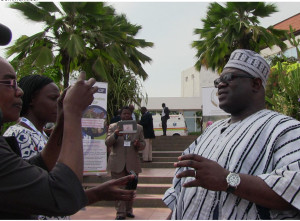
{"points": [[283, 89], [87, 36], [232, 26], [41, 56], [72, 43], [32, 11]]}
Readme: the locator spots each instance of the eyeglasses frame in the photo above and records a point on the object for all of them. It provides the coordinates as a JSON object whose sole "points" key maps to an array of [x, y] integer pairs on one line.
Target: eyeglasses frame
{"points": [[10, 82], [232, 76]]}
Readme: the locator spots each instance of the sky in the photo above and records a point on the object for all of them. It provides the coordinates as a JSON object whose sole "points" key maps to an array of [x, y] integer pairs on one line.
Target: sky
{"points": [[169, 25]]}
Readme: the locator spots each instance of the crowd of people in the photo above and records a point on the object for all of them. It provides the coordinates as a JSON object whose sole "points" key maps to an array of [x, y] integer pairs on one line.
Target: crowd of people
{"points": [[243, 167]]}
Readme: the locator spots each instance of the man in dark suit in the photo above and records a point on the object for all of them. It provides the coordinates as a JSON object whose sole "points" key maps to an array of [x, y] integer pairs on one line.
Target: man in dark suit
{"points": [[147, 123], [164, 118]]}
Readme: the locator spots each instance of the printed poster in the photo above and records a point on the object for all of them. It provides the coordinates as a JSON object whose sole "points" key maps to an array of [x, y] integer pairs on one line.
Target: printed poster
{"points": [[94, 133], [211, 102]]}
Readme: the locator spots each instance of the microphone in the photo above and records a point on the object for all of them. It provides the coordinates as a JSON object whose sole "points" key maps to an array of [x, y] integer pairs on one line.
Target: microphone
{"points": [[5, 35]]}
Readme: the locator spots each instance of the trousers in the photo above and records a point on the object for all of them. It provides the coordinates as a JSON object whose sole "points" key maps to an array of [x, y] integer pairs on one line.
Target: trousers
{"points": [[122, 207], [147, 152], [164, 125]]}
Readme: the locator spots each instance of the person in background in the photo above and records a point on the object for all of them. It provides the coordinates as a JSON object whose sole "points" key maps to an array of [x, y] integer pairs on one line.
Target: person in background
{"points": [[147, 123], [124, 157], [244, 167], [131, 107], [116, 117], [48, 183], [164, 118]]}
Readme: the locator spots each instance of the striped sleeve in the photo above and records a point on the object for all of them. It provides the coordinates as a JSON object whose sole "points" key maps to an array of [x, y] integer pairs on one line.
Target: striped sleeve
{"points": [[284, 179], [171, 195]]}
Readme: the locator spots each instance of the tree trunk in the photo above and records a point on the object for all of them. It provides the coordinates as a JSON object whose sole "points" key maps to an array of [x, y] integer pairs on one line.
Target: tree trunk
{"points": [[65, 62]]}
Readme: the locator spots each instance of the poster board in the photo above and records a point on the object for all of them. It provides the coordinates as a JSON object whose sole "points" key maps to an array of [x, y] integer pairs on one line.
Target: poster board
{"points": [[211, 102], [94, 133]]}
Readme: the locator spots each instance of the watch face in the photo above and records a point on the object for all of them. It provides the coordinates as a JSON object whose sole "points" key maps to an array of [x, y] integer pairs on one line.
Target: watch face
{"points": [[233, 179]]}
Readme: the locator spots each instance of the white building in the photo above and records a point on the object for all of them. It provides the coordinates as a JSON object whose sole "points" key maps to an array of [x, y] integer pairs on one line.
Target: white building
{"points": [[192, 81], [187, 106], [190, 102], [294, 21]]}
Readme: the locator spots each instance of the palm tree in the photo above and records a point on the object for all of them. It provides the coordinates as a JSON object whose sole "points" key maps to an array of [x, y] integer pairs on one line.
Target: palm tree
{"points": [[123, 90], [80, 35], [234, 26]]}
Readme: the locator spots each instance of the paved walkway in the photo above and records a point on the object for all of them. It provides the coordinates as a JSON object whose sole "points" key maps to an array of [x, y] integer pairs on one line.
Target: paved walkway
{"points": [[109, 213]]}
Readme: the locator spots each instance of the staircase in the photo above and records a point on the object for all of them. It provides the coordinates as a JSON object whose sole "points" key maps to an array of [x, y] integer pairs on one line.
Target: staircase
{"points": [[166, 150], [156, 177]]}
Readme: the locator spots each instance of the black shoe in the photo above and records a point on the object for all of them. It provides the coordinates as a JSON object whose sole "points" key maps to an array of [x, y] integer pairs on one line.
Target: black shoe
{"points": [[120, 217], [130, 215]]}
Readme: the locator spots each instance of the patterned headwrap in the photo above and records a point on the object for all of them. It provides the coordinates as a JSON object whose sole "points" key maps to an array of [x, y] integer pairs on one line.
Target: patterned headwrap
{"points": [[250, 62]]}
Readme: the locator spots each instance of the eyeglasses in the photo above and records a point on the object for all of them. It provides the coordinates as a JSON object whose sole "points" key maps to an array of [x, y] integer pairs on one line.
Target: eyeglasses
{"points": [[226, 78], [12, 82]]}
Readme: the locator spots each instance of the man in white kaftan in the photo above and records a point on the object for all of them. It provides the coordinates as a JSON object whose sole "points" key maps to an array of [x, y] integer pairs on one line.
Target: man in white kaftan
{"points": [[258, 147]]}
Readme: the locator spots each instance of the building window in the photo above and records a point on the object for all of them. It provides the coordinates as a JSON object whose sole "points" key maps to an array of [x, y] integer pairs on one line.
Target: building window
{"points": [[186, 79], [292, 52]]}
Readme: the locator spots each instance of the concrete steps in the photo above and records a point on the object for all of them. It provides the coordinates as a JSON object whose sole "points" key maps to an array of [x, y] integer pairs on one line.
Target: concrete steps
{"points": [[151, 187], [174, 143], [141, 200]]}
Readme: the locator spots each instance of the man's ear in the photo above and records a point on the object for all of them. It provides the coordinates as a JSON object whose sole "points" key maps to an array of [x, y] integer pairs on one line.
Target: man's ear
{"points": [[257, 84]]}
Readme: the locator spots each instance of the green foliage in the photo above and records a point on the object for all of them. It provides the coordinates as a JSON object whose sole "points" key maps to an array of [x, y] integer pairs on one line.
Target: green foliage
{"points": [[273, 60], [234, 26], [197, 133], [87, 36], [24, 67], [199, 120], [5, 126], [126, 89], [293, 41], [283, 89]]}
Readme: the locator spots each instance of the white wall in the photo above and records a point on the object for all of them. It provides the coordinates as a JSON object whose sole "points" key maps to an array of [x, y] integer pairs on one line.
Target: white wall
{"points": [[192, 81]]}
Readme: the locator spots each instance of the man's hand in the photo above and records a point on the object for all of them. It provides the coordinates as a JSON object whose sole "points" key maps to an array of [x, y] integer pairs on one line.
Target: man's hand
{"points": [[117, 132], [111, 191], [208, 174], [136, 143]]}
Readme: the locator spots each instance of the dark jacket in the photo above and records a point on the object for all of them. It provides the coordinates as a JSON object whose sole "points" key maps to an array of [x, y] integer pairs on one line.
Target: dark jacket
{"points": [[27, 188], [147, 123]]}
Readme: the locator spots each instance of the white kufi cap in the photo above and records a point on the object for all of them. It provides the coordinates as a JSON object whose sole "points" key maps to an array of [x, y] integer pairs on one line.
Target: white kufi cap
{"points": [[250, 62]]}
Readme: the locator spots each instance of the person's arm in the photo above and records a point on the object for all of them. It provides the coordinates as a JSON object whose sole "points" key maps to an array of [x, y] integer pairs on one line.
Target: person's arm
{"points": [[254, 189], [29, 189], [111, 190], [112, 135], [71, 153], [210, 175]]}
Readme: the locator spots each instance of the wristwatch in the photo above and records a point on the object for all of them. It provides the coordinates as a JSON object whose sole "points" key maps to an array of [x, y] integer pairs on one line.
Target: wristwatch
{"points": [[233, 180]]}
